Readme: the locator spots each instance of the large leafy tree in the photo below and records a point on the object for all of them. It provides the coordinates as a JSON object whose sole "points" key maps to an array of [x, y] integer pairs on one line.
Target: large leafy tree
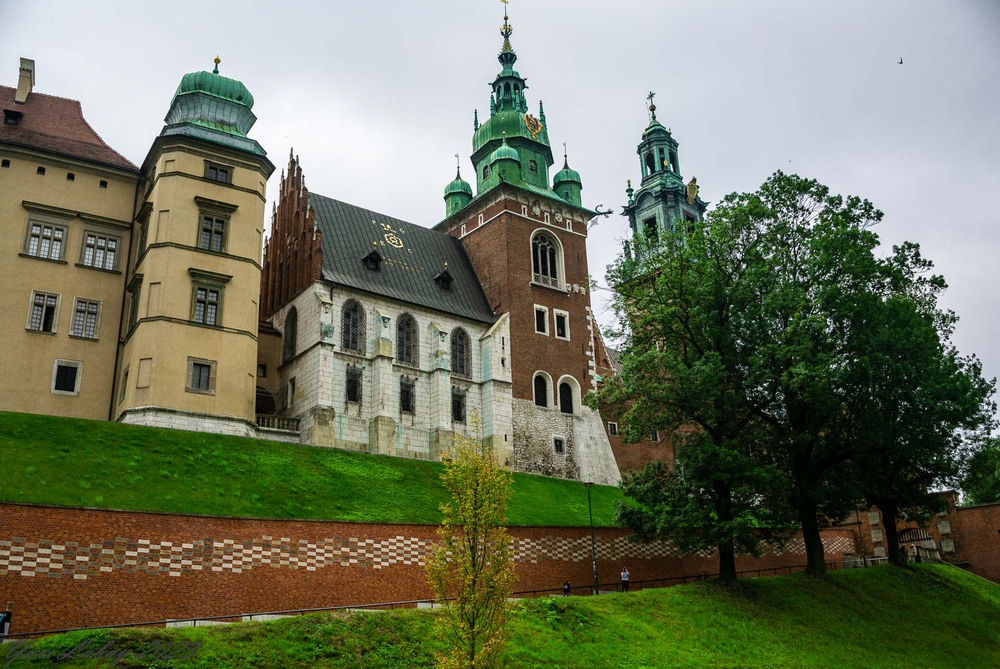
{"points": [[685, 362], [981, 483], [471, 567]]}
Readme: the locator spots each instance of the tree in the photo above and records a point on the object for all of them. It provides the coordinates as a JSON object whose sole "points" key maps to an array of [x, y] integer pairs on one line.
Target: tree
{"points": [[981, 484], [683, 371], [471, 568]]}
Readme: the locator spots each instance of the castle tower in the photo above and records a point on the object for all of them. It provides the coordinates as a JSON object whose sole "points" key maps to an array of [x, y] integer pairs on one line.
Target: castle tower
{"points": [[190, 328], [526, 238], [663, 205]]}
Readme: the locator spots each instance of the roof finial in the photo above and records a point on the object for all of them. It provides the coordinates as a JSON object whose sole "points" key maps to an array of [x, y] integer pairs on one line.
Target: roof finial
{"points": [[565, 157], [652, 107], [216, 61], [506, 51]]}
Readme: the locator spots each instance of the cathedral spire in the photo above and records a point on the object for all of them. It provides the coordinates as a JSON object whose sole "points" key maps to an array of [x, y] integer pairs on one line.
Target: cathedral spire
{"points": [[507, 56]]}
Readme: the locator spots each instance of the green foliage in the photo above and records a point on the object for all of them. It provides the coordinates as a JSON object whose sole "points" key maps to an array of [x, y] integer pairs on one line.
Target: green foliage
{"points": [[471, 568], [923, 615], [73, 462], [981, 484]]}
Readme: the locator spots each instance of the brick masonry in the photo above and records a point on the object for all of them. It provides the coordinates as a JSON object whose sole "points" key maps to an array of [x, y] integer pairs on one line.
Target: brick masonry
{"points": [[68, 567]]}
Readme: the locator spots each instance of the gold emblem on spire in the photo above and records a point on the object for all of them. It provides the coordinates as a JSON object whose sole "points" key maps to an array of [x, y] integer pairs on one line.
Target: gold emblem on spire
{"points": [[692, 190], [533, 125]]}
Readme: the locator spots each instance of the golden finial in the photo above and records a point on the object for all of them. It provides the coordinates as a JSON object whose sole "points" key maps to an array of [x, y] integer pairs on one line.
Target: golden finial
{"points": [[216, 61]]}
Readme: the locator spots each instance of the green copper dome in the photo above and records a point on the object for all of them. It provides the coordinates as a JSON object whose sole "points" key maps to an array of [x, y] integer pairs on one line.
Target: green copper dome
{"points": [[459, 185], [215, 84], [566, 174], [504, 152]]}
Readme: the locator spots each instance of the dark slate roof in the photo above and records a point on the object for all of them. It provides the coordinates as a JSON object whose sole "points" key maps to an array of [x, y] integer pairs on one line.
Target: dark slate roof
{"points": [[56, 125], [412, 257], [614, 357]]}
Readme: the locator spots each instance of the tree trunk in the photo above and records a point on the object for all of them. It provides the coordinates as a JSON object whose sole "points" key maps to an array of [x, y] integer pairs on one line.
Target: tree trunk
{"points": [[890, 515], [727, 564], [815, 555]]}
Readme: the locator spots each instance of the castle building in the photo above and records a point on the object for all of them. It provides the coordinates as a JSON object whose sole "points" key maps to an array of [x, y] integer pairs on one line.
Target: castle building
{"points": [[146, 299]]}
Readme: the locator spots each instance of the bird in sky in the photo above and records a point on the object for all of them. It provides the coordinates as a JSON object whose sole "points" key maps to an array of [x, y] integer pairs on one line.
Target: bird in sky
{"points": [[900, 61]]}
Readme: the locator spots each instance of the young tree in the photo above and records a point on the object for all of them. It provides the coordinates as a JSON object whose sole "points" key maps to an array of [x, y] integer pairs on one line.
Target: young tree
{"points": [[471, 568]]}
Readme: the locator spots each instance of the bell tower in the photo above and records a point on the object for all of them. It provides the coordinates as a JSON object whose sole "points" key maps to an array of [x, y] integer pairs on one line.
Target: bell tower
{"points": [[663, 206]]}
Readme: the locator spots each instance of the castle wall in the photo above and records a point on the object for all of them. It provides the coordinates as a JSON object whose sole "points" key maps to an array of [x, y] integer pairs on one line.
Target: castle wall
{"points": [[68, 567]]}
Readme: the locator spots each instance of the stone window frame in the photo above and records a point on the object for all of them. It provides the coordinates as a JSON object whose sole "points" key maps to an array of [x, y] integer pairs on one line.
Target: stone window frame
{"points": [[459, 405], [407, 341], [58, 238], [556, 315], [547, 380], [204, 382], [461, 350], [38, 307], [78, 376], [85, 327], [559, 444], [542, 309], [210, 282], [407, 395], [95, 248], [575, 395], [353, 328], [217, 212], [213, 172], [355, 374], [548, 267], [612, 428]]}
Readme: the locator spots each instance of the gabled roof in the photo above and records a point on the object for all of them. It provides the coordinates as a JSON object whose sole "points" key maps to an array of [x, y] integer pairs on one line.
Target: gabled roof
{"points": [[56, 125], [412, 256]]}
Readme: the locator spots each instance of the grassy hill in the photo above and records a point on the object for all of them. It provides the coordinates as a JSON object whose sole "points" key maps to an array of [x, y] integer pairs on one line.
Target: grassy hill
{"points": [[74, 462], [919, 616]]}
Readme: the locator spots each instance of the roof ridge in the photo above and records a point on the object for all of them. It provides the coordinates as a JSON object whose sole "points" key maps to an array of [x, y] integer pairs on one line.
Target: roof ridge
{"points": [[48, 95]]}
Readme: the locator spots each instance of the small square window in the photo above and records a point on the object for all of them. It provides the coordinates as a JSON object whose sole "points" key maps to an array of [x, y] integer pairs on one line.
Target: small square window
{"points": [[562, 325], [559, 444], [66, 377], [201, 376], [70, 176], [541, 320], [4, 163], [40, 171], [261, 371], [354, 380], [104, 184], [654, 435], [613, 429], [218, 173]]}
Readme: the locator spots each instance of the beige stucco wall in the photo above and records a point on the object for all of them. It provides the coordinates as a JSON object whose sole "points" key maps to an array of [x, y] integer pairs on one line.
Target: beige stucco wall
{"points": [[27, 358]]}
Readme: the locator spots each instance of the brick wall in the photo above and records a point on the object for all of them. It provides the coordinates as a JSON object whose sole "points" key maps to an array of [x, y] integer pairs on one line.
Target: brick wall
{"points": [[66, 567]]}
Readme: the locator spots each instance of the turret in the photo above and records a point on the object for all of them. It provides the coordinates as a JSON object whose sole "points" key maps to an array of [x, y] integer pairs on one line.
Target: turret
{"points": [[567, 184], [457, 194]]}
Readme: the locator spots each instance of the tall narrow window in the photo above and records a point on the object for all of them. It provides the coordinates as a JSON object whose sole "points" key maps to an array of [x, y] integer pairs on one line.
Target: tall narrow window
{"points": [[133, 305], [99, 251], [353, 384], [407, 341], [407, 395], [85, 318], [541, 391], [541, 320], [213, 233], [565, 397], [44, 307], [352, 329], [545, 260], [289, 335], [457, 405], [46, 241], [461, 354], [649, 229], [207, 303]]}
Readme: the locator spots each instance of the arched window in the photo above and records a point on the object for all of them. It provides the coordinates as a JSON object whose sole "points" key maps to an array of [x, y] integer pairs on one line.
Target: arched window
{"points": [[545, 259], [289, 334], [407, 341], [650, 163], [352, 328], [541, 391], [565, 397], [461, 353]]}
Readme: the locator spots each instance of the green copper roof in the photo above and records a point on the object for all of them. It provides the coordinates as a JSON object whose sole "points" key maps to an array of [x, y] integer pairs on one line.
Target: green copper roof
{"points": [[504, 152], [212, 101], [566, 174]]}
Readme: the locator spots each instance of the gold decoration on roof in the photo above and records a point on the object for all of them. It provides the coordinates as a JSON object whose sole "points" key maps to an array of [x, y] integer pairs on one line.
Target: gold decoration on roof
{"points": [[692, 190]]}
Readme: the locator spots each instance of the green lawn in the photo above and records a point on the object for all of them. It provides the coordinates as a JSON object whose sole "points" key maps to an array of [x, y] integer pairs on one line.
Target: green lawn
{"points": [[920, 616], [75, 462]]}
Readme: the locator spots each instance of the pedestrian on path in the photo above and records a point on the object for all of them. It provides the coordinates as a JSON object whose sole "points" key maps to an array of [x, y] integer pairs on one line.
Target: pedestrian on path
{"points": [[5, 619], [625, 578], [566, 588]]}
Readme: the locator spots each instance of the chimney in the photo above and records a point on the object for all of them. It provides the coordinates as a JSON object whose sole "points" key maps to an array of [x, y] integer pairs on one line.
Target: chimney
{"points": [[25, 80]]}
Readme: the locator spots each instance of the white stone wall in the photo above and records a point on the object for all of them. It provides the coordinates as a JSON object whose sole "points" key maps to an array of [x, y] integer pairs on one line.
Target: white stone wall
{"points": [[176, 419], [377, 424]]}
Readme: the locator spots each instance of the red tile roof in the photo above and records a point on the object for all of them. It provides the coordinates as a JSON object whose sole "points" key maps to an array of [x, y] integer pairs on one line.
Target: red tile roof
{"points": [[56, 125]]}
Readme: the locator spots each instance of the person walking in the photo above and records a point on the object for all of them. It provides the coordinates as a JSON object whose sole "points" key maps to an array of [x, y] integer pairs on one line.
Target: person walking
{"points": [[5, 618], [566, 588], [625, 579]]}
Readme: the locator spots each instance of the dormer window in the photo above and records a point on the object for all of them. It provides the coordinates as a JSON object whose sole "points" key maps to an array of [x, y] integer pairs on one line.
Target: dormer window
{"points": [[373, 261], [12, 116], [533, 167], [486, 171], [444, 279]]}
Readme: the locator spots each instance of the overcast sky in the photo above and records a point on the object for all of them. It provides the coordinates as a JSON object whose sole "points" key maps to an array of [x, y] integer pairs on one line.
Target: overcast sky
{"points": [[377, 97]]}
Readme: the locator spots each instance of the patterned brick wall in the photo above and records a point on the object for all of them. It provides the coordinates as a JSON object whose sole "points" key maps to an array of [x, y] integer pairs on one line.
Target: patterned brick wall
{"points": [[64, 567]]}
